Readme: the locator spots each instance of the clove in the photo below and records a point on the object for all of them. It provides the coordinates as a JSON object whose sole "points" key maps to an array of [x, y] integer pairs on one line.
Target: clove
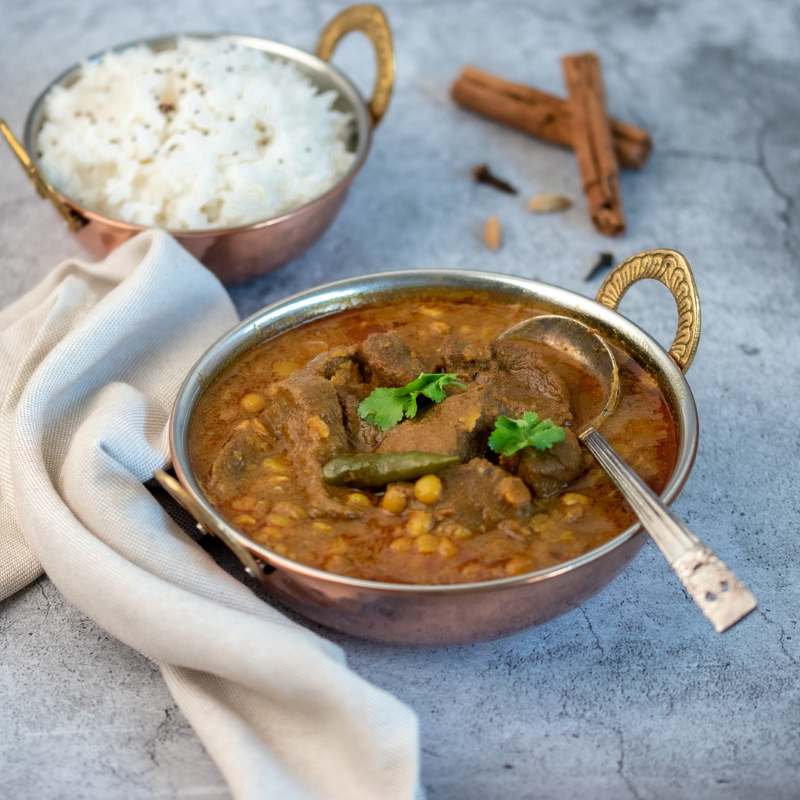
{"points": [[604, 261], [482, 174]]}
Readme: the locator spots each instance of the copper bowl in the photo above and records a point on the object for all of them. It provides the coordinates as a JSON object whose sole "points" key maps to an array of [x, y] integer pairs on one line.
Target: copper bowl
{"points": [[465, 612], [236, 254]]}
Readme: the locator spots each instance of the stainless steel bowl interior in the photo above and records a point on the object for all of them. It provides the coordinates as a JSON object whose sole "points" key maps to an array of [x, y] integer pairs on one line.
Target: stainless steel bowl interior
{"points": [[331, 298], [323, 74]]}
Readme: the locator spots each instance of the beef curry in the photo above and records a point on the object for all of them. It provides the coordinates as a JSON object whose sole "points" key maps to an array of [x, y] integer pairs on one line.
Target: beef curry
{"points": [[295, 447]]}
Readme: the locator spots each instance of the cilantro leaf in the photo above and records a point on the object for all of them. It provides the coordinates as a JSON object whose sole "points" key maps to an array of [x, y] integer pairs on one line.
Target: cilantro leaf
{"points": [[382, 408], [511, 435], [434, 389], [385, 407]]}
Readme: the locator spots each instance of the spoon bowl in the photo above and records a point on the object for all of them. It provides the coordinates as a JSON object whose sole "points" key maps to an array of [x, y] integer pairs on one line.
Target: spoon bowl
{"points": [[579, 344]]}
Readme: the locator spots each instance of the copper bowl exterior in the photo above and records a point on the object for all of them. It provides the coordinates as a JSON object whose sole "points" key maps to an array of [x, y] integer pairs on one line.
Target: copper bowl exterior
{"points": [[238, 253], [457, 613]]}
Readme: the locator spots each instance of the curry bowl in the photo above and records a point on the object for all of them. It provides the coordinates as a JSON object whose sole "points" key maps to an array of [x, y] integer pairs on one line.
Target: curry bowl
{"points": [[455, 612], [238, 253]]}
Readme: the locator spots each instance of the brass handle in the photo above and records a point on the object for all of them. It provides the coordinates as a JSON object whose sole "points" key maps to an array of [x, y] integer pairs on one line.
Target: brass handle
{"points": [[72, 218], [372, 22], [183, 498], [670, 268]]}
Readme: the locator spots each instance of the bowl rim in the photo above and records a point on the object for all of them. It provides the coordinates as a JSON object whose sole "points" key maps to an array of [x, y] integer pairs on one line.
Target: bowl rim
{"points": [[349, 293], [345, 87]]}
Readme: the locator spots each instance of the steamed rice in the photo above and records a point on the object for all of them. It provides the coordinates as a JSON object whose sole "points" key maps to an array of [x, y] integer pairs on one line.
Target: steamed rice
{"points": [[206, 135]]}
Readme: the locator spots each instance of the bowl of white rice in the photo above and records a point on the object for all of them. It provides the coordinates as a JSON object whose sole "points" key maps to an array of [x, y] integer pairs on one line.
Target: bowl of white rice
{"points": [[241, 147]]}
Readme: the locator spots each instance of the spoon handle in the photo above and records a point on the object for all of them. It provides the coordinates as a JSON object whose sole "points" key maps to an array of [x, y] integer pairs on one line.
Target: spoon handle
{"points": [[721, 596]]}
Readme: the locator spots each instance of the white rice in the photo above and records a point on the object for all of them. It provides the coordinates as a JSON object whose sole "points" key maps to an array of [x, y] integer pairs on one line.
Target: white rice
{"points": [[206, 135]]}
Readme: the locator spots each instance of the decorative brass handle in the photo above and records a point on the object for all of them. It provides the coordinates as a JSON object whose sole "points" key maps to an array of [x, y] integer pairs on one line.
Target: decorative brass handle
{"points": [[72, 218], [372, 22], [184, 499], [670, 268]]}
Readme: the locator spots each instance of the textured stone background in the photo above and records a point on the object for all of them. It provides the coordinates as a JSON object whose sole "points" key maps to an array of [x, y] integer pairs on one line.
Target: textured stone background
{"points": [[633, 695]]}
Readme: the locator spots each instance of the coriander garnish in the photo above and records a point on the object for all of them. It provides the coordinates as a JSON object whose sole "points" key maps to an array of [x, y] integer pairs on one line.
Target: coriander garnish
{"points": [[386, 407], [511, 435]]}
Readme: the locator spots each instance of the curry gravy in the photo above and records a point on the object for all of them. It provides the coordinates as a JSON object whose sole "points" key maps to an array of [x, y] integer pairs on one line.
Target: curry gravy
{"points": [[265, 484]]}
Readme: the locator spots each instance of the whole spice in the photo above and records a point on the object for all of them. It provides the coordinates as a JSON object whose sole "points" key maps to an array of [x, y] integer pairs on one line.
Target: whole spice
{"points": [[592, 141], [544, 203], [604, 262], [492, 233], [540, 114], [482, 174]]}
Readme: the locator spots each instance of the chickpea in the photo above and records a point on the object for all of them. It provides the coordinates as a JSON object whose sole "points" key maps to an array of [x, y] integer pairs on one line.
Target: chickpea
{"points": [[283, 369], [455, 530], [253, 402], [279, 520], [428, 489], [394, 500], [269, 533], [245, 520], [401, 545], [337, 563], [539, 522], [518, 565], [274, 465], [471, 570], [514, 491], [427, 543], [322, 527], [359, 500], [446, 547], [573, 513], [243, 503], [337, 546], [319, 426], [461, 532], [574, 498], [291, 510], [419, 523]]}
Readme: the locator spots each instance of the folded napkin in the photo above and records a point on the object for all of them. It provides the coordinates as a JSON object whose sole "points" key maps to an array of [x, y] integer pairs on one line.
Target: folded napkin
{"points": [[90, 362]]}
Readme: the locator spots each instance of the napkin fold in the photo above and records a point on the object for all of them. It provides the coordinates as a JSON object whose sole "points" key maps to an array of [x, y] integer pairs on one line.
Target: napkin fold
{"points": [[90, 362]]}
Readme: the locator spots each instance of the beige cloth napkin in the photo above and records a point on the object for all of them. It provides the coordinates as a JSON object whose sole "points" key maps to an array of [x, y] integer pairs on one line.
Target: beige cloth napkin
{"points": [[90, 361]]}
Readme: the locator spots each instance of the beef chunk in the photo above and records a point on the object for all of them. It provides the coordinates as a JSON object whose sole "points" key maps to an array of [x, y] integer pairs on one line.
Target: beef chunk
{"points": [[457, 426], [306, 416], [363, 437], [388, 359], [343, 368], [239, 459], [480, 495], [336, 361], [465, 358], [548, 472], [526, 364], [508, 395]]}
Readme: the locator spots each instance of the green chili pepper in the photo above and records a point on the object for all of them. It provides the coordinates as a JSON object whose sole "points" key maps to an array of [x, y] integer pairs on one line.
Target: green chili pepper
{"points": [[378, 469]]}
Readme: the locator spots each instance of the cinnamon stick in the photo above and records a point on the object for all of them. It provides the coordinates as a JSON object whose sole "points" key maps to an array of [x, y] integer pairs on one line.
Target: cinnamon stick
{"points": [[540, 114], [592, 141]]}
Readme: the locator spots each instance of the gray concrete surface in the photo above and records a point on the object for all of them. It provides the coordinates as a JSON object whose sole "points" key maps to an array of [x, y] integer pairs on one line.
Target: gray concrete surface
{"points": [[631, 696]]}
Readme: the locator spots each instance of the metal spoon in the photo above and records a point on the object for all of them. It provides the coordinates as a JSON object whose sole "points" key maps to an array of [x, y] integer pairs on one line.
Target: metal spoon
{"points": [[713, 587]]}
